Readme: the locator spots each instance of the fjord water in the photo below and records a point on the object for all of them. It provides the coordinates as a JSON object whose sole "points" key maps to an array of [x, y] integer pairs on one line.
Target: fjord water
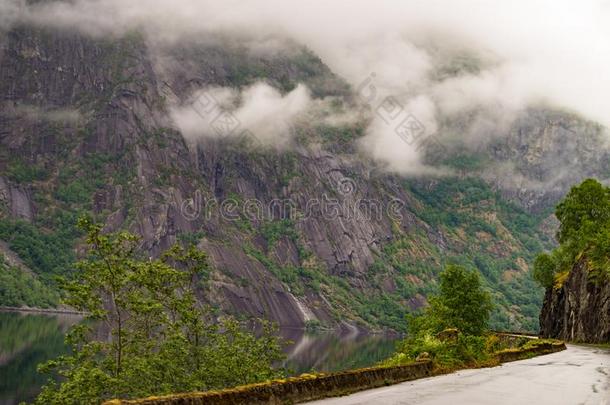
{"points": [[334, 351], [27, 339]]}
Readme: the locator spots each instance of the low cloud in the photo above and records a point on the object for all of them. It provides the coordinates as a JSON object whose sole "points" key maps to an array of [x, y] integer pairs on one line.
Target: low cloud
{"points": [[438, 58], [260, 110]]}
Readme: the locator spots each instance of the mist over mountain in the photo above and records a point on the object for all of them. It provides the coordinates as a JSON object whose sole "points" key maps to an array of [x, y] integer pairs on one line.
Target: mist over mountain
{"points": [[436, 59], [450, 129]]}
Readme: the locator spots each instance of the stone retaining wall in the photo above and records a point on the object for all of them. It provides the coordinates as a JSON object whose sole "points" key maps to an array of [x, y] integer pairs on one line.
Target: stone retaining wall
{"points": [[311, 387], [520, 354], [297, 389]]}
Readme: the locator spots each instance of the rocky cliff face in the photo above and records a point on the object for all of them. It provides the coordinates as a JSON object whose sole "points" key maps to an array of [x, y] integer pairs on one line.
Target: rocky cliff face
{"points": [[84, 127], [536, 157], [547, 152], [579, 311]]}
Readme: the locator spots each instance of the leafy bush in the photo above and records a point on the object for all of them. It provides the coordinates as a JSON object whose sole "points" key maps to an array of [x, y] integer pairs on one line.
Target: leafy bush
{"points": [[275, 230], [191, 238], [77, 191], [462, 303], [22, 172], [465, 350], [585, 205]]}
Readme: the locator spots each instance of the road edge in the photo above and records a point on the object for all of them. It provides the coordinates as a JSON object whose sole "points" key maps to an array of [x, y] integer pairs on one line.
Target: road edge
{"points": [[309, 387]]}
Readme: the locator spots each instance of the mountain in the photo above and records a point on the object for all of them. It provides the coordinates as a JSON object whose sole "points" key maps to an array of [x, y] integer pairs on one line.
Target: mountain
{"points": [[308, 234]]}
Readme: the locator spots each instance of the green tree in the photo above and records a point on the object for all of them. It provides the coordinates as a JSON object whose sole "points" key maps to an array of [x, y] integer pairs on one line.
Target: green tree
{"points": [[587, 203], [544, 271], [156, 337], [584, 231], [461, 303]]}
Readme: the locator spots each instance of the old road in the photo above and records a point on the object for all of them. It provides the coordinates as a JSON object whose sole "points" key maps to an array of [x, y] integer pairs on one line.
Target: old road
{"points": [[579, 375]]}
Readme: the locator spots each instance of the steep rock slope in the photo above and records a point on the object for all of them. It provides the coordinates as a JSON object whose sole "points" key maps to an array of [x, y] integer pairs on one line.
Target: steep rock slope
{"points": [[579, 311], [534, 158], [550, 151], [84, 127]]}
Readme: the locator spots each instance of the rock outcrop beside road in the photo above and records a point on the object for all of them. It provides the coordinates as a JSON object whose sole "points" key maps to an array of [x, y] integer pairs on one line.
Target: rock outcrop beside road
{"points": [[579, 311]]}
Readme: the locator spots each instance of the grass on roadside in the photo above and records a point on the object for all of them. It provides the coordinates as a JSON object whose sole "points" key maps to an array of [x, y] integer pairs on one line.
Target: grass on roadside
{"points": [[461, 351]]}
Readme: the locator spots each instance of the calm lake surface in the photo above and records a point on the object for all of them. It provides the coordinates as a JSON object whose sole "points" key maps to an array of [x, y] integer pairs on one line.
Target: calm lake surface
{"points": [[27, 339]]}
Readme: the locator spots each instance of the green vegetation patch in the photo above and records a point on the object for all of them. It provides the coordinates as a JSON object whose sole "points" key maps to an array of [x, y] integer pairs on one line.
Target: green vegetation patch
{"points": [[48, 254], [584, 234], [19, 288], [494, 236], [453, 331], [22, 172]]}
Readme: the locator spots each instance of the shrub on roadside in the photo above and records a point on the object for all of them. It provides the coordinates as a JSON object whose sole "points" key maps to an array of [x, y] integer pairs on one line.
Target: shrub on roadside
{"points": [[467, 350], [452, 329]]}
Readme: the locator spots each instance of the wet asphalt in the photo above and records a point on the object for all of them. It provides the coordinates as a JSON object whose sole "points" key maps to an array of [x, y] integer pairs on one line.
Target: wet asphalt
{"points": [[579, 375]]}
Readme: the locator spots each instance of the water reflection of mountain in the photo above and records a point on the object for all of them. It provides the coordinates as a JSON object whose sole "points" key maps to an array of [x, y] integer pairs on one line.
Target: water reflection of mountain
{"points": [[25, 340], [28, 339], [334, 351]]}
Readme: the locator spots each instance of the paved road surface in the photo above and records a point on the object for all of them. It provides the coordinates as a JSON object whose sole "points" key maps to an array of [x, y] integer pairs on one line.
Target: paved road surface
{"points": [[579, 375]]}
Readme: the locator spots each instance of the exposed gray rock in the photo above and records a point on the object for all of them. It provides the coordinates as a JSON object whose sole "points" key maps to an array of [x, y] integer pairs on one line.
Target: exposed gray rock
{"points": [[545, 153], [579, 311], [17, 199]]}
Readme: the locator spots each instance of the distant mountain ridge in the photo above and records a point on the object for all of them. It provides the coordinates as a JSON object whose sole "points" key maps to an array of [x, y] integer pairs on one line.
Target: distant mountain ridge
{"points": [[84, 127]]}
